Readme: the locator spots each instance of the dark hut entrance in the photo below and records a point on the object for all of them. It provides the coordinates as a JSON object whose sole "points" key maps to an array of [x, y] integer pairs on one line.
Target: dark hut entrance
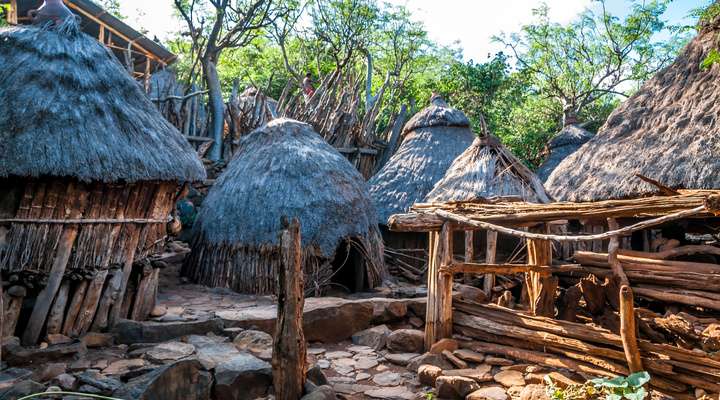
{"points": [[348, 269]]}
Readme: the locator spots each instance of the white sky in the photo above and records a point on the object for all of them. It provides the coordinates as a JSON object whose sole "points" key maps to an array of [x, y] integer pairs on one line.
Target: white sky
{"points": [[471, 22]]}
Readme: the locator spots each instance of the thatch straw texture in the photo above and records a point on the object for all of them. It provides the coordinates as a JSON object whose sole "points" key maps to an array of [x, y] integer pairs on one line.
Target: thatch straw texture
{"points": [[68, 108], [667, 131], [486, 170], [564, 143], [283, 169], [433, 139]]}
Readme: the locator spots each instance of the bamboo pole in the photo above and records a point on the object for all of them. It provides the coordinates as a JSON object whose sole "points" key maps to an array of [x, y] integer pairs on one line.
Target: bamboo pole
{"points": [[490, 253], [289, 351]]}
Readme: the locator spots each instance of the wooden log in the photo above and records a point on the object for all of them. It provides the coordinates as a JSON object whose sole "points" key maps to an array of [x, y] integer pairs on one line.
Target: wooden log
{"points": [[672, 253], [431, 312], [490, 258], [74, 308], [628, 330], [469, 252], [108, 298], [690, 300], [541, 289], [445, 284], [57, 312], [501, 269], [90, 304], [601, 259], [57, 270], [289, 351], [144, 287], [12, 314]]}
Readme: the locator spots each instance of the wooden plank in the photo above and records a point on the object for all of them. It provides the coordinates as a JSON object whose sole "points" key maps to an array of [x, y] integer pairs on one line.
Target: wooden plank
{"points": [[90, 303], [74, 309], [57, 271], [289, 348], [57, 313]]}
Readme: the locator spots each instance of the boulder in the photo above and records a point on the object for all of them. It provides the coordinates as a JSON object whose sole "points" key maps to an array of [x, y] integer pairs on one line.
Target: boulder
{"points": [[11, 376], [18, 355], [428, 374], [210, 355], [253, 341], [21, 389], [402, 359], [488, 393], [95, 340], [509, 378], [49, 371], [471, 293], [180, 380], [66, 382], [94, 378], [323, 392], [444, 344], [469, 356], [431, 359], [480, 374], [534, 392], [121, 367], [169, 352], [387, 378], [128, 332], [454, 387], [316, 376], [374, 337], [243, 377], [406, 341]]}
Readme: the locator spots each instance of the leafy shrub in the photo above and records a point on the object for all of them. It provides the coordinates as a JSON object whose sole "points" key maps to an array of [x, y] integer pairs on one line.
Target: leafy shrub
{"points": [[630, 388]]}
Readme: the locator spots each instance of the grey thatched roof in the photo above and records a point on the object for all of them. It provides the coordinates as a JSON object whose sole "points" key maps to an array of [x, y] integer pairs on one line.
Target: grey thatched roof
{"points": [[68, 108], [433, 139], [564, 143], [667, 131], [485, 170], [285, 169]]}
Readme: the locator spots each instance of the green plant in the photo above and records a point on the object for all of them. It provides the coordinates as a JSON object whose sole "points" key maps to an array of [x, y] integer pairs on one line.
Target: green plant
{"points": [[621, 387]]}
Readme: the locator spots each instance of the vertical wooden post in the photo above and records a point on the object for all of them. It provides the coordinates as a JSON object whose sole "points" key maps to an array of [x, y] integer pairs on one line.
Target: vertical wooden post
{"points": [[541, 289], [13, 16], [146, 77], [289, 351], [490, 254], [445, 283], [101, 34], [432, 276], [628, 329], [57, 271], [469, 251]]}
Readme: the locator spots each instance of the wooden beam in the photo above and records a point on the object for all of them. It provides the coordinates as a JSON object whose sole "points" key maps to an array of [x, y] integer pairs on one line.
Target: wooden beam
{"points": [[289, 351], [13, 15], [541, 288], [502, 269]]}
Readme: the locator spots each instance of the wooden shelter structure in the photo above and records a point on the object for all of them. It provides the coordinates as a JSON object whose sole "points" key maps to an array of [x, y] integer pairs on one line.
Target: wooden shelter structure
{"points": [[286, 169], [549, 330], [140, 54], [90, 173]]}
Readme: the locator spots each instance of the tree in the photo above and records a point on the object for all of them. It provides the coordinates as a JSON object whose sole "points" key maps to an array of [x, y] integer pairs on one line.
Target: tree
{"points": [[217, 25], [113, 7], [595, 56]]}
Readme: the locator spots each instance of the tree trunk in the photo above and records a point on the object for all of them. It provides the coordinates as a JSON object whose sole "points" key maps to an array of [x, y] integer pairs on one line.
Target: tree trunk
{"points": [[216, 105]]}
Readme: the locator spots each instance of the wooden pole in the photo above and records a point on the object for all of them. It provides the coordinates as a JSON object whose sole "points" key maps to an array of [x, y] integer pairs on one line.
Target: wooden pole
{"points": [[432, 275], [540, 288], [469, 251], [628, 332], [490, 252], [445, 283], [289, 351], [57, 271]]}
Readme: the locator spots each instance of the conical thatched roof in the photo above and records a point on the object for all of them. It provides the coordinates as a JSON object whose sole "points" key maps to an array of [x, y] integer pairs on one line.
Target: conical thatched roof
{"points": [[487, 169], [564, 143], [68, 108], [434, 137], [285, 169], [667, 131]]}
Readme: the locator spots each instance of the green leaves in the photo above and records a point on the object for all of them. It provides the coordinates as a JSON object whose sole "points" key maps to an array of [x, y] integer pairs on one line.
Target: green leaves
{"points": [[618, 388], [638, 379]]}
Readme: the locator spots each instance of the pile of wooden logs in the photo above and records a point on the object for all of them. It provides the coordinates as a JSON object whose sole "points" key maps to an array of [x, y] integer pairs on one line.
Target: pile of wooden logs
{"points": [[587, 349]]}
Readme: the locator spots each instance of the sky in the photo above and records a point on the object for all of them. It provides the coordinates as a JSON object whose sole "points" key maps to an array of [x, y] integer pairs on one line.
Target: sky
{"points": [[470, 23]]}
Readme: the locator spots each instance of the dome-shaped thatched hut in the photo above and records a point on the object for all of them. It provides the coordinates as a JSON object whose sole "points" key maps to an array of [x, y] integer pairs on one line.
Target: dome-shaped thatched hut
{"points": [[561, 146], [89, 172], [667, 132], [487, 170], [285, 169], [433, 138]]}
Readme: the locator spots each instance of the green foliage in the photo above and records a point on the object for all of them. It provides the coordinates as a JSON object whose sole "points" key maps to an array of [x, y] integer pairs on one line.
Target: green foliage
{"points": [[621, 387], [712, 57], [112, 6], [706, 15], [4, 14]]}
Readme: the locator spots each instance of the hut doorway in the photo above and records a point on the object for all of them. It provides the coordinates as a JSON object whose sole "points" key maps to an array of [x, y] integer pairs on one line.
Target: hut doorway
{"points": [[348, 269]]}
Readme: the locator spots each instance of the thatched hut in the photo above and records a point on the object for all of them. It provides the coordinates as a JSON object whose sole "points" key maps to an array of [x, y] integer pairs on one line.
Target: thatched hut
{"points": [[89, 172], [285, 169], [667, 132], [561, 146], [488, 170], [432, 139]]}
